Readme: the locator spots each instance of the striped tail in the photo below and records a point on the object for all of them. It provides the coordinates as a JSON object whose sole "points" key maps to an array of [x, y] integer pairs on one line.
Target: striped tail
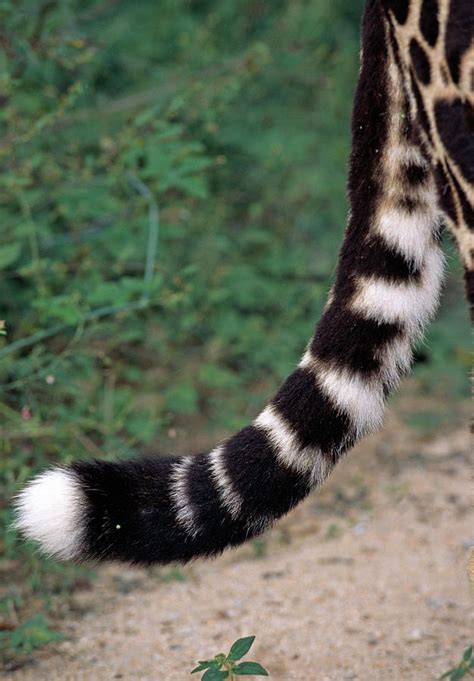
{"points": [[156, 510]]}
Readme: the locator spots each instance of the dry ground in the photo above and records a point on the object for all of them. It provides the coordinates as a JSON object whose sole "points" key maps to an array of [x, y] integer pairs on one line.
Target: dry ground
{"points": [[365, 581]]}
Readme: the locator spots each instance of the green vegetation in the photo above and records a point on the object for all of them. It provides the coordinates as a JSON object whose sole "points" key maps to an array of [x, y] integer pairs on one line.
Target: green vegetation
{"points": [[172, 199], [465, 667], [228, 666], [33, 633]]}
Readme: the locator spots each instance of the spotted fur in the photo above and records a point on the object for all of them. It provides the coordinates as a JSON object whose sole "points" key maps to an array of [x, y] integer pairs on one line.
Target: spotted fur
{"points": [[411, 168]]}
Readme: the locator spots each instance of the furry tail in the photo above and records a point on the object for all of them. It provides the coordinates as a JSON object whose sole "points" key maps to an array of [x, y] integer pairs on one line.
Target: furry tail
{"points": [[389, 274]]}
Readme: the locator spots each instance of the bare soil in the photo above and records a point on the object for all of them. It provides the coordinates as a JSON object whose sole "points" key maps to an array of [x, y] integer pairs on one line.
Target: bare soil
{"points": [[367, 580]]}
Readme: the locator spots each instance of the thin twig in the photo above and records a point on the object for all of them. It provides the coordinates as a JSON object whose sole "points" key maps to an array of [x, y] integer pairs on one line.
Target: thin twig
{"points": [[45, 431], [13, 611], [48, 367], [10, 413], [159, 95], [41, 17], [153, 231], [99, 313], [86, 442]]}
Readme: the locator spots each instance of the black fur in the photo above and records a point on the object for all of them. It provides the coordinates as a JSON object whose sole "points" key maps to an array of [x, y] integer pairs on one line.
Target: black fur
{"points": [[459, 33], [429, 23], [445, 195], [421, 111], [469, 286], [376, 258], [420, 62], [271, 490], [469, 108], [311, 415], [467, 209], [369, 126], [352, 341], [415, 175], [456, 135], [399, 9], [215, 527], [129, 514]]}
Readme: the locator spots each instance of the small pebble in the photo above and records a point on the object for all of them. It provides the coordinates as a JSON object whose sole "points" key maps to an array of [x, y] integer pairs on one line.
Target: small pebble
{"points": [[415, 635], [374, 638], [434, 602], [360, 528]]}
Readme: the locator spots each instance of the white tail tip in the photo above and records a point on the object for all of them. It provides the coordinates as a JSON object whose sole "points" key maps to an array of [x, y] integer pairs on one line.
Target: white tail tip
{"points": [[49, 510]]}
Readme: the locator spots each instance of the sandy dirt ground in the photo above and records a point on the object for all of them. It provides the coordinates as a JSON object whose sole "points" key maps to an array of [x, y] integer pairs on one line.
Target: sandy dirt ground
{"points": [[367, 580]]}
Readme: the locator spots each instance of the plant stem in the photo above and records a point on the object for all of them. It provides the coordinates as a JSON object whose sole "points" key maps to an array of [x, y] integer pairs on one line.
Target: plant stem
{"points": [[34, 243], [109, 310], [99, 313], [153, 231]]}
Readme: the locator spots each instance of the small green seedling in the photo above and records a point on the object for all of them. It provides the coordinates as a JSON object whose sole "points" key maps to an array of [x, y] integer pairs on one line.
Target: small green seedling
{"points": [[33, 633], [259, 548], [465, 667], [172, 575], [227, 666]]}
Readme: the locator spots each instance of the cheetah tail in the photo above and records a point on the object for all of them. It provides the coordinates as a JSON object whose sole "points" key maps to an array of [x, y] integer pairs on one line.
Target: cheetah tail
{"points": [[156, 510]]}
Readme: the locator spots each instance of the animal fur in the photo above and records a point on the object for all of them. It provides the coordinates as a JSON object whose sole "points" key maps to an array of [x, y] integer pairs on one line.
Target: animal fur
{"points": [[411, 169]]}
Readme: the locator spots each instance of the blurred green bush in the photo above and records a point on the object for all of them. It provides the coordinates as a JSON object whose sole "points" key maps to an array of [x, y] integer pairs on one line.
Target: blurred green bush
{"points": [[172, 199]]}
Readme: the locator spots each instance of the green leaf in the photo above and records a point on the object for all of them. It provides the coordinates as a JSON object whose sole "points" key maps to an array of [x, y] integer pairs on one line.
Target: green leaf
{"points": [[446, 674], [33, 633], [9, 254], [250, 668], [203, 664], [176, 575], [240, 647], [194, 186], [458, 674], [144, 116], [467, 654], [182, 398], [214, 675]]}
